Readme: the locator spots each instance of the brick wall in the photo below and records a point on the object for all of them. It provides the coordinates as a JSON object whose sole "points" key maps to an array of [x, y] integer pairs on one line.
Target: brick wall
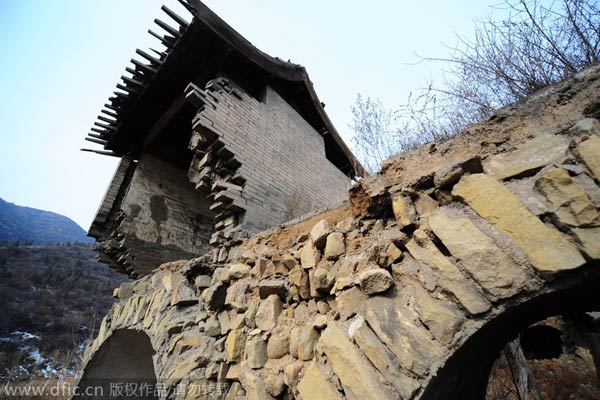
{"points": [[282, 157]]}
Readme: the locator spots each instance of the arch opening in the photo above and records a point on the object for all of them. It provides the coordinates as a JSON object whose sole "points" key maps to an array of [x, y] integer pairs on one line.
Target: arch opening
{"points": [[465, 374], [541, 342], [121, 368]]}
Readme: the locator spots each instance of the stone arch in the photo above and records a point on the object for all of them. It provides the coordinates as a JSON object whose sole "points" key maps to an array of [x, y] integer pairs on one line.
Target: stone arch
{"points": [[125, 357], [465, 373]]}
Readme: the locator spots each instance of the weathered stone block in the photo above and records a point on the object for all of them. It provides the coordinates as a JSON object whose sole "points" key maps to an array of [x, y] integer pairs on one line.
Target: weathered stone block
{"points": [[310, 255], [568, 200], [403, 209], [306, 343], [529, 157], [590, 241], [357, 375], [234, 345], [335, 245], [546, 249], [382, 358], [268, 312], [412, 344], [423, 249], [374, 281], [256, 353], [319, 233], [589, 152], [489, 265], [314, 385]]}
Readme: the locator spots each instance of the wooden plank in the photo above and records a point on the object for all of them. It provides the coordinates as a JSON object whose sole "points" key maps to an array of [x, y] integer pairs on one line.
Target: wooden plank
{"points": [[101, 125], [143, 67], [112, 107], [110, 113], [168, 41], [110, 121], [172, 31], [97, 141], [175, 17], [132, 81], [103, 153], [129, 89], [153, 60], [137, 73], [101, 131]]}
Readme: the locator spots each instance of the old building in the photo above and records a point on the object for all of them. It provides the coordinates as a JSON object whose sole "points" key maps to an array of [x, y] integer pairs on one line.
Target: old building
{"points": [[457, 252], [217, 140]]}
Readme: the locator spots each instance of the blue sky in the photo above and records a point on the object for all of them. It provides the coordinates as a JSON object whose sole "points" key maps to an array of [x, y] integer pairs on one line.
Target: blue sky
{"points": [[61, 59]]}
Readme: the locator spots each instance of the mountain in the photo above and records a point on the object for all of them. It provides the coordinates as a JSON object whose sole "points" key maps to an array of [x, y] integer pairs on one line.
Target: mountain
{"points": [[37, 226], [52, 299]]}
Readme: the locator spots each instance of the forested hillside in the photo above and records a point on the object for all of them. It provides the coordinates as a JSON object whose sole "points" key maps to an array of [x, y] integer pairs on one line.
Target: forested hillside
{"points": [[52, 299], [26, 224]]}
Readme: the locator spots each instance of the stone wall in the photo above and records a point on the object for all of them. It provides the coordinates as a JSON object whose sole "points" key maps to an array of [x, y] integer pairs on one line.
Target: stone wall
{"points": [[161, 217], [411, 292]]}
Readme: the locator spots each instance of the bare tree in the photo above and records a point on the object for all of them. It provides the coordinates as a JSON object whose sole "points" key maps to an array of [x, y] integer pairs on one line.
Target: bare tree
{"points": [[536, 44]]}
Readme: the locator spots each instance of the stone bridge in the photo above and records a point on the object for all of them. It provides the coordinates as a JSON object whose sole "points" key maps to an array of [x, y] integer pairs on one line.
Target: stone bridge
{"points": [[410, 291]]}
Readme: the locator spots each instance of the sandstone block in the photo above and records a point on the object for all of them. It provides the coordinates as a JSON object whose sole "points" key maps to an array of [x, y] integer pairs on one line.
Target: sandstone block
{"points": [[319, 233], [323, 279], [223, 318], [306, 343], [448, 176], [382, 358], [202, 281], [590, 241], [587, 126], [274, 384], [299, 278], [267, 287], [254, 386], [546, 249], [568, 200], [359, 378], [443, 319], [212, 326], [390, 254], [413, 346], [349, 302], [268, 312], [424, 204], [345, 225], [314, 385], [239, 271], [423, 249], [489, 265], [403, 209], [237, 297], [256, 353], [279, 344], [234, 345], [529, 157], [335, 245], [310, 255], [183, 295], [215, 296], [375, 281]]}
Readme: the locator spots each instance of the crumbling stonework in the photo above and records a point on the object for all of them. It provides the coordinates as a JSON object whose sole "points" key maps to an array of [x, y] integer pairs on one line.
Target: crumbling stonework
{"points": [[211, 113], [412, 290]]}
